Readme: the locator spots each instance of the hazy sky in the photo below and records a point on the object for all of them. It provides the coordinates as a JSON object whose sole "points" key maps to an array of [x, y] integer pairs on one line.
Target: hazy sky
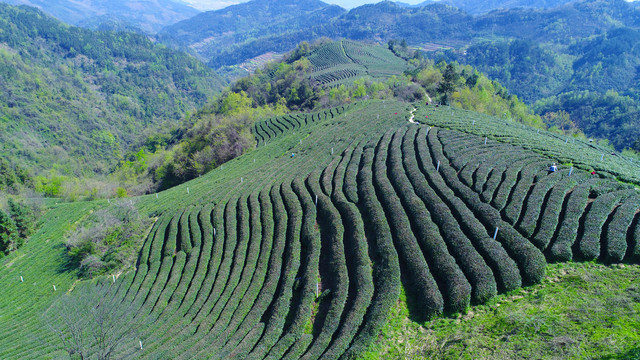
{"points": [[219, 4]]}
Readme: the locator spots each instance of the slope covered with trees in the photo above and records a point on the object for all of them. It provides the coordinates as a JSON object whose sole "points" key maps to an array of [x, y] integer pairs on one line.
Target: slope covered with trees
{"points": [[74, 100], [146, 15]]}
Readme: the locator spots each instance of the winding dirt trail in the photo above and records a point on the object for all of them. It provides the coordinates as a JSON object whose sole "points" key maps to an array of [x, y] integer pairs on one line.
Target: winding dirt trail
{"points": [[413, 115]]}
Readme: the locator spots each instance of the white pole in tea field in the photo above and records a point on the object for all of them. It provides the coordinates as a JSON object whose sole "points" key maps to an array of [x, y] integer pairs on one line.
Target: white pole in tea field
{"points": [[254, 160], [570, 171], [317, 289], [566, 141], [495, 235], [114, 278], [474, 123], [109, 201], [602, 158], [187, 190], [485, 140], [214, 231], [141, 345], [241, 180], [331, 151], [21, 279], [54, 288], [316, 200], [438, 167], [156, 195]]}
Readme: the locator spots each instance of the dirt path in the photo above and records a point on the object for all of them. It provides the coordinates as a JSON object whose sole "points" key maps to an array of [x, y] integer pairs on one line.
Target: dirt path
{"points": [[413, 115]]}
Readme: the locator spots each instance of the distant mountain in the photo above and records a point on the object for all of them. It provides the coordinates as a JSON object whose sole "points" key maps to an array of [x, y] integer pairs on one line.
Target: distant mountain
{"points": [[240, 32], [75, 99], [147, 15], [485, 6], [269, 25]]}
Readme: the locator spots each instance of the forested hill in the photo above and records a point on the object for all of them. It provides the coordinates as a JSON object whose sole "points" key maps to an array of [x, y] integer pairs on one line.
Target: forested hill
{"points": [[240, 32], [485, 6], [147, 15], [382, 22], [74, 99]]}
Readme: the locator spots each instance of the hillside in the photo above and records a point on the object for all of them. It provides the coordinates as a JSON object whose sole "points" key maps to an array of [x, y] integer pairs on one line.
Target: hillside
{"points": [[280, 255], [74, 100], [219, 36], [482, 7], [555, 52], [147, 15]]}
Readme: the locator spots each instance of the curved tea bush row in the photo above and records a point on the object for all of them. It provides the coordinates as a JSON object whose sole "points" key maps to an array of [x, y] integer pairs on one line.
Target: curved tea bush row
{"points": [[569, 214], [270, 129]]}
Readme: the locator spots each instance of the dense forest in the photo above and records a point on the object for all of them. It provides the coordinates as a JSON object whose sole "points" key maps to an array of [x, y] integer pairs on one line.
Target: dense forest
{"points": [[73, 101]]}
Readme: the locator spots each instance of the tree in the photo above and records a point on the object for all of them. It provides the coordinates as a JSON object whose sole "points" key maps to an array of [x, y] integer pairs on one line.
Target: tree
{"points": [[8, 233], [24, 218], [89, 323], [448, 84]]}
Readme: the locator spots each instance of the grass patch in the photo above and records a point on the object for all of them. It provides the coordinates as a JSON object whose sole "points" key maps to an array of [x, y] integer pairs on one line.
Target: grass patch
{"points": [[579, 311]]}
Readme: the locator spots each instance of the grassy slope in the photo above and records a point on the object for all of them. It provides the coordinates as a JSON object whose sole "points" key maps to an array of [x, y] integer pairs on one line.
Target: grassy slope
{"points": [[579, 311], [41, 264]]}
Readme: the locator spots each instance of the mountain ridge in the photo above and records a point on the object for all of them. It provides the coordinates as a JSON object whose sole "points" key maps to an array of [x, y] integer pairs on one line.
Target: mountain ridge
{"points": [[148, 15]]}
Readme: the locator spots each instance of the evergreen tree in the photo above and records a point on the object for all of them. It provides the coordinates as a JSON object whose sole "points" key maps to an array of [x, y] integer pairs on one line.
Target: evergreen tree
{"points": [[448, 84], [23, 217], [8, 233]]}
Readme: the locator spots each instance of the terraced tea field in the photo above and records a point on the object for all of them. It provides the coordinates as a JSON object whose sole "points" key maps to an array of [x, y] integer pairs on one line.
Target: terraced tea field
{"points": [[280, 256], [341, 62]]}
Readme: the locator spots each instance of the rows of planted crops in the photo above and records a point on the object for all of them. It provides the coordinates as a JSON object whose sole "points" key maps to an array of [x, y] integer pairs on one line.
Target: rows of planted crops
{"points": [[302, 257]]}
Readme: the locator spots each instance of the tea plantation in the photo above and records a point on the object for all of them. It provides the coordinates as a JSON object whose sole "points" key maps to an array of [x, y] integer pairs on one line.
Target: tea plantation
{"points": [[300, 248], [343, 61]]}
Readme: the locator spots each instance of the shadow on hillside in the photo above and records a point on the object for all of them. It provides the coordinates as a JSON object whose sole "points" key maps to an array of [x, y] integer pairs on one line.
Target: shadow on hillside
{"points": [[66, 264]]}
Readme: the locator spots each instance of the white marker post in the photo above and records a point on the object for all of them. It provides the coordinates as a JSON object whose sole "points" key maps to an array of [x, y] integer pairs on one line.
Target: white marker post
{"points": [[214, 231], [156, 195], [485, 140], [331, 151], [54, 288], [114, 278], [438, 167], [495, 235], [566, 141], [140, 344], [570, 171], [316, 200], [474, 123], [21, 279], [602, 158], [109, 201], [254, 160], [317, 289], [241, 180]]}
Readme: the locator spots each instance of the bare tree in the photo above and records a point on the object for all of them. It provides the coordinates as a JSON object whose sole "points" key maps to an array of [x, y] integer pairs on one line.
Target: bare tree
{"points": [[89, 324]]}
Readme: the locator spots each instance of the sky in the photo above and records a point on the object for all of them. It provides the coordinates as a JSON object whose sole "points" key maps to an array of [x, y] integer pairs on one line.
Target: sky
{"points": [[219, 4]]}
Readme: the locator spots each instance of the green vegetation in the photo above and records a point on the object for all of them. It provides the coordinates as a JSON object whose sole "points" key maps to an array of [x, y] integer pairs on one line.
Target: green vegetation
{"points": [[73, 101], [579, 311], [107, 240], [148, 16], [280, 256]]}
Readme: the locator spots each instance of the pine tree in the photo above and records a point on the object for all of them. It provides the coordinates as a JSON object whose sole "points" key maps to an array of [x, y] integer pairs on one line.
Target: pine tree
{"points": [[8, 233], [448, 84]]}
